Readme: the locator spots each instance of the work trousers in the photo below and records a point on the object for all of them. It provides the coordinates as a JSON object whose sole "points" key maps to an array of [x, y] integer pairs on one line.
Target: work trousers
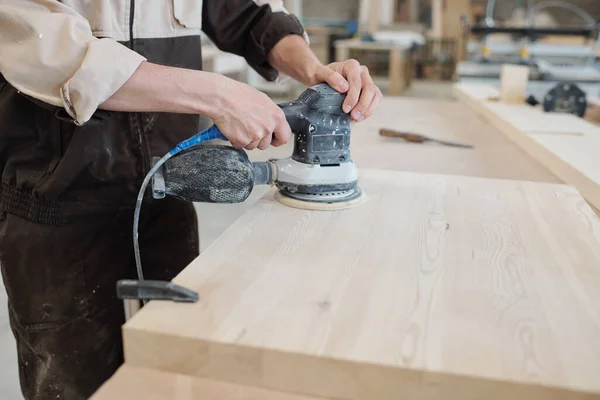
{"points": [[61, 286]]}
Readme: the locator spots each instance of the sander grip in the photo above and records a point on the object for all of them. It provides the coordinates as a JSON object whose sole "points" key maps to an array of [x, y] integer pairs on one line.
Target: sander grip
{"points": [[295, 114]]}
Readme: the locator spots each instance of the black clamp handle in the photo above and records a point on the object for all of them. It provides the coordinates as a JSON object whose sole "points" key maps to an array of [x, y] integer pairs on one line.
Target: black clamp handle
{"points": [[128, 289]]}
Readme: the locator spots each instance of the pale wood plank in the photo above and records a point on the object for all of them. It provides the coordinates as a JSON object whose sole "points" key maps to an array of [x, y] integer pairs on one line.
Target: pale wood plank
{"points": [[513, 83], [571, 157], [439, 287], [494, 156], [148, 384]]}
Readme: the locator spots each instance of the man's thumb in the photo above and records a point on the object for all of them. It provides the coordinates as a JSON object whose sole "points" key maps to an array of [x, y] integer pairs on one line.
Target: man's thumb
{"points": [[334, 79]]}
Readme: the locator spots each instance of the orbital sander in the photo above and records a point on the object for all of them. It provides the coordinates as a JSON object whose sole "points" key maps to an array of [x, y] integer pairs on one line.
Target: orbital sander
{"points": [[320, 169]]}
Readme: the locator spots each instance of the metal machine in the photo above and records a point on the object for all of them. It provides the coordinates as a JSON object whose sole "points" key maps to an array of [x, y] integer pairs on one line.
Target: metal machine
{"points": [[549, 63]]}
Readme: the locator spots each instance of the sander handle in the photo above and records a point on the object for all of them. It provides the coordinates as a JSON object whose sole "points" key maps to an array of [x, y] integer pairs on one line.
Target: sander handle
{"points": [[295, 114]]}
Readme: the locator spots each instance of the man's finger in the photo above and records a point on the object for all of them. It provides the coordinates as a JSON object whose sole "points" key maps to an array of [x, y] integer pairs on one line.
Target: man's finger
{"points": [[282, 132], [352, 73], [374, 103], [239, 141], [369, 91], [366, 97], [334, 79], [252, 145], [265, 142]]}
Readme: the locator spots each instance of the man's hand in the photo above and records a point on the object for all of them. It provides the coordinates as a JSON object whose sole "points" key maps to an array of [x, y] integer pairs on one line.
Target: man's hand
{"points": [[350, 77], [248, 118], [292, 56]]}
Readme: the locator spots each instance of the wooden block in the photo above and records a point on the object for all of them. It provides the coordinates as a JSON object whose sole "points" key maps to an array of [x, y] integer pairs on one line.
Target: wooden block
{"points": [[439, 287], [572, 158], [131, 383], [513, 83]]}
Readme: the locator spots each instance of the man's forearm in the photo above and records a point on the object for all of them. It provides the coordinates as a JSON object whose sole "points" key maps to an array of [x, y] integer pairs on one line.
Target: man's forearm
{"points": [[245, 116], [156, 88], [292, 56]]}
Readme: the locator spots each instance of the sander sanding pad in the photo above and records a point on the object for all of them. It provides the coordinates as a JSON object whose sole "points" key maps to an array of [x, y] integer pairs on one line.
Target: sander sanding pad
{"points": [[320, 206]]}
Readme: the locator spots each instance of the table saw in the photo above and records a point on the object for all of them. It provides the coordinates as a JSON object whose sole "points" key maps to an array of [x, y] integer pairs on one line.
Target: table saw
{"points": [[553, 54]]}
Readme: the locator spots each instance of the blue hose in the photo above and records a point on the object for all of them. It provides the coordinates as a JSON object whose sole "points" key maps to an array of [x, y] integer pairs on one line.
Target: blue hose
{"points": [[211, 133]]}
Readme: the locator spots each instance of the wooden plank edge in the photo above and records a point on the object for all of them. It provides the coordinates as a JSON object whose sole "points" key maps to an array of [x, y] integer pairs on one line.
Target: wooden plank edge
{"points": [[314, 375], [149, 384], [588, 188]]}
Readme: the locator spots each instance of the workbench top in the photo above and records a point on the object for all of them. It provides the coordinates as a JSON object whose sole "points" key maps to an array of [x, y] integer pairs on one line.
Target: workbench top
{"points": [[439, 287], [493, 156]]}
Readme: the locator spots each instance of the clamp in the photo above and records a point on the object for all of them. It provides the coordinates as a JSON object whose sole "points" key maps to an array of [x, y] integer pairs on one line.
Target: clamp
{"points": [[132, 291]]}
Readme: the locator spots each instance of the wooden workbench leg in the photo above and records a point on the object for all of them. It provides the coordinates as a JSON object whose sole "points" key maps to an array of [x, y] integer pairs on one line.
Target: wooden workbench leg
{"points": [[342, 53], [396, 72]]}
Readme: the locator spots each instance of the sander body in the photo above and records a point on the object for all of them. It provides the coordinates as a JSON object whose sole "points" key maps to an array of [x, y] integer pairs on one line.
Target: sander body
{"points": [[320, 169]]}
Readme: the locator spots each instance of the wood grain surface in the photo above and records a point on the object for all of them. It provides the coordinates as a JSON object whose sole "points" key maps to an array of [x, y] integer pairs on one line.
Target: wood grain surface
{"points": [[439, 287], [572, 156], [148, 384], [494, 156]]}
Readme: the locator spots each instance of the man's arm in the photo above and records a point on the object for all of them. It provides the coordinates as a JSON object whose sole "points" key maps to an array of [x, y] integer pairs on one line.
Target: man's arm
{"points": [[244, 28], [48, 52], [271, 40], [247, 117]]}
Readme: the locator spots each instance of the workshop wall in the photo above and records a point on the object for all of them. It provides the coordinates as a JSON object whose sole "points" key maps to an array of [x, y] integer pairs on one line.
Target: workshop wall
{"points": [[330, 9]]}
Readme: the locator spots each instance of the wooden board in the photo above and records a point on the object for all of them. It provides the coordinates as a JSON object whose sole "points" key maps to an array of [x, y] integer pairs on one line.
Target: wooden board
{"points": [[494, 156], [567, 145], [147, 384], [439, 287]]}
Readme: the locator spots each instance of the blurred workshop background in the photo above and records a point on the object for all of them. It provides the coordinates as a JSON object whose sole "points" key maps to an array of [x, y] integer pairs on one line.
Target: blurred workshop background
{"points": [[418, 47], [414, 48]]}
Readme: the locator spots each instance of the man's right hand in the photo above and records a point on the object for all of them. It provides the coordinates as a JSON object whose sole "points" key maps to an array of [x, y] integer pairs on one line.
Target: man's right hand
{"points": [[248, 117]]}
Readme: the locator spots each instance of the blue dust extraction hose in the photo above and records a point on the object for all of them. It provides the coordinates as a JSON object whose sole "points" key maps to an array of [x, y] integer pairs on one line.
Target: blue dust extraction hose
{"points": [[211, 133]]}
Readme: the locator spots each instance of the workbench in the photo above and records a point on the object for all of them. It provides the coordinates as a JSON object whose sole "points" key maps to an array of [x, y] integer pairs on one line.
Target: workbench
{"points": [[400, 70], [440, 287]]}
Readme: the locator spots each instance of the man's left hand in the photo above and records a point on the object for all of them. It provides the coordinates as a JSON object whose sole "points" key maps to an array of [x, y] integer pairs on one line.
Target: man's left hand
{"points": [[293, 56], [350, 77]]}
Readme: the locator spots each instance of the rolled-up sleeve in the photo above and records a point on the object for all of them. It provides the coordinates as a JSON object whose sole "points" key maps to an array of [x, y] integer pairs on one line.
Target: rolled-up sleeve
{"points": [[244, 28], [48, 52]]}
